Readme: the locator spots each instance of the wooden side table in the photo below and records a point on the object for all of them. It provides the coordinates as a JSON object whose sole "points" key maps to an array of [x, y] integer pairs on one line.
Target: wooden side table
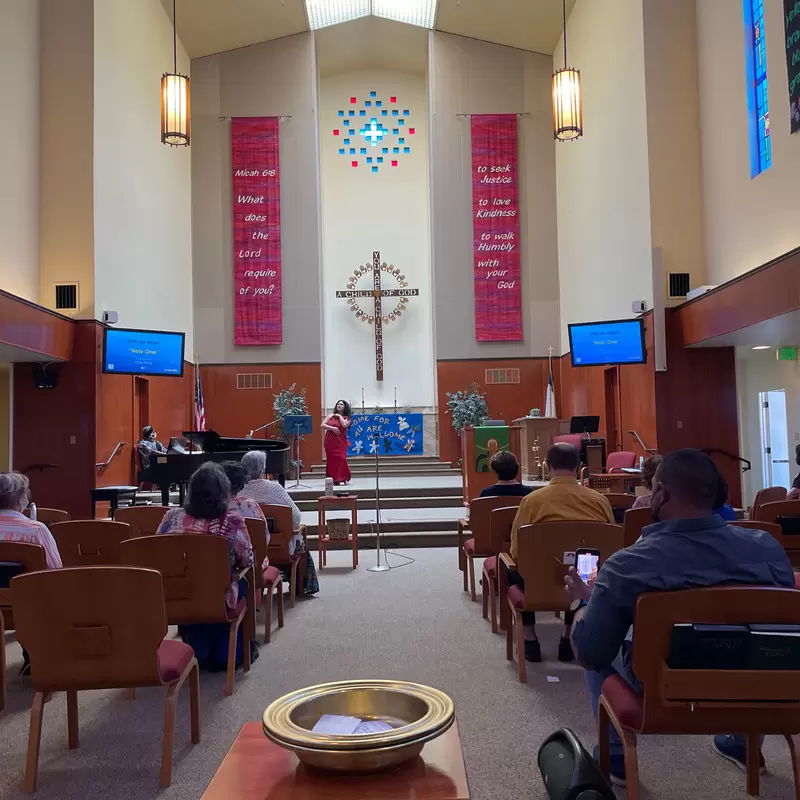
{"points": [[327, 503], [257, 769]]}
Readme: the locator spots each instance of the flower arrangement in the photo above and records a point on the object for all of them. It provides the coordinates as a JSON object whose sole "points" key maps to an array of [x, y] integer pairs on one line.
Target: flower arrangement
{"points": [[467, 407]]}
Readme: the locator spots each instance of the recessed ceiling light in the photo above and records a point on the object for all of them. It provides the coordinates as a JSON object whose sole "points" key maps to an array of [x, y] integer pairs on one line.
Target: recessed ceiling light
{"points": [[323, 13], [763, 347]]}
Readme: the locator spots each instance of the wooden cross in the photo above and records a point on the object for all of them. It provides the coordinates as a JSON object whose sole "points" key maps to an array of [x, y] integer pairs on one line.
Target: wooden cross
{"points": [[377, 293]]}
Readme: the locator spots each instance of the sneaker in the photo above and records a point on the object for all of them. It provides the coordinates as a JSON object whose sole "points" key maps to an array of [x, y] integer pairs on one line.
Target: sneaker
{"points": [[726, 746], [616, 766], [533, 650], [565, 650]]}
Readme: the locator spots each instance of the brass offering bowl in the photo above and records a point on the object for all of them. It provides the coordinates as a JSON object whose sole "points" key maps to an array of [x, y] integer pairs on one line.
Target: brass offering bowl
{"points": [[416, 713]]}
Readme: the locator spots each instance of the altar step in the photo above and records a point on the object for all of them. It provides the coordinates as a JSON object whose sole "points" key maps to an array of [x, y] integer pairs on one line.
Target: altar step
{"points": [[400, 501], [390, 467], [391, 541]]}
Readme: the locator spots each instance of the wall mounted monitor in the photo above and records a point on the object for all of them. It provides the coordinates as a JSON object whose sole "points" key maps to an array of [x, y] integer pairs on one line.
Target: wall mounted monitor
{"points": [[136, 352], [618, 341]]}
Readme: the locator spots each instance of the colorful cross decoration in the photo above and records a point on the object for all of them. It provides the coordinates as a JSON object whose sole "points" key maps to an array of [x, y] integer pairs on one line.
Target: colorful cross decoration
{"points": [[374, 133]]}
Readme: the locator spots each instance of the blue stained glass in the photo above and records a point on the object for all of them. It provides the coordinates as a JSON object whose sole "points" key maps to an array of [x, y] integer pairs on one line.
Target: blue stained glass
{"points": [[406, 149], [395, 131], [352, 151], [351, 113], [347, 122], [374, 169], [341, 151], [341, 113], [362, 113], [406, 112], [373, 94], [401, 122], [385, 149], [368, 103], [380, 159], [369, 159], [363, 151], [395, 112], [346, 141], [379, 102], [384, 112], [395, 149], [401, 140], [758, 86]]}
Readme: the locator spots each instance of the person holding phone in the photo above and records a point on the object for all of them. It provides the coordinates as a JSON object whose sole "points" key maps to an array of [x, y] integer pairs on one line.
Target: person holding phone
{"points": [[688, 547]]}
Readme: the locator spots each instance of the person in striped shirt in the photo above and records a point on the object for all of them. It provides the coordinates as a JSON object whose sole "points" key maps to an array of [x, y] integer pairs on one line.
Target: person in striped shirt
{"points": [[15, 526]]}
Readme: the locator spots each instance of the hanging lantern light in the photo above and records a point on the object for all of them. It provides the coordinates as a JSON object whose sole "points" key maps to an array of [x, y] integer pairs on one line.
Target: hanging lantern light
{"points": [[175, 121], [567, 101]]}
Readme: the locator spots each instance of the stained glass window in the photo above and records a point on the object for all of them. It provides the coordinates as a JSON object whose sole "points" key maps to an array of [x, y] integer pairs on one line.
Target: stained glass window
{"points": [[758, 87]]}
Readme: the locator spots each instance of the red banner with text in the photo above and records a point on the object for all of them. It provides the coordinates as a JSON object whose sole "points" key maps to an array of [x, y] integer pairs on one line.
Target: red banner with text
{"points": [[495, 213], [255, 165]]}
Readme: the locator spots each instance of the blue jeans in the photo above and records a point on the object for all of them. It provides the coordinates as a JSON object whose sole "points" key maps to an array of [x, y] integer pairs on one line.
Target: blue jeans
{"points": [[594, 681]]}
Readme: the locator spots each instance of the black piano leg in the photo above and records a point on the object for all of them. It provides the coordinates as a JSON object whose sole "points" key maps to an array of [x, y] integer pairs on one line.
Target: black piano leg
{"points": [[164, 494], [181, 494], [281, 479]]}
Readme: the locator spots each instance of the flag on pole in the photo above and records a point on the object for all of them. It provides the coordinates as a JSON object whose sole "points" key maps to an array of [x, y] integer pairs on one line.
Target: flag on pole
{"points": [[199, 407], [550, 396]]}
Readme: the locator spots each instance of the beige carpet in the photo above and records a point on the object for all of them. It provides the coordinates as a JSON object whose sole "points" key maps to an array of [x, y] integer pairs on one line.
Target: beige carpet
{"points": [[413, 623]]}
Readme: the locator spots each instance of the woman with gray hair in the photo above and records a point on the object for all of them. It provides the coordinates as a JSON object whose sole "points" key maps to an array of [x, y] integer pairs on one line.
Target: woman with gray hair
{"points": [[15, 526]]}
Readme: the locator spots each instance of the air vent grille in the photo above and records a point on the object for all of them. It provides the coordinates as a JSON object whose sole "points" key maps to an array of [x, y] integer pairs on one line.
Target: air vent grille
{"points": [[494, 376], [254, 380], [678, 284], [66, 296]]}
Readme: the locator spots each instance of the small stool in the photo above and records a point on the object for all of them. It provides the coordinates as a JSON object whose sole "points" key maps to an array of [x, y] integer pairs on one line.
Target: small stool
{"points": [[112, 494], [327, 503]]}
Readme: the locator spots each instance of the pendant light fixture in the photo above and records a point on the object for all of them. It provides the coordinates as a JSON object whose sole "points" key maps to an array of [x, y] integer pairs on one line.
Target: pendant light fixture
{"points": [[175, 123], [567, 102]]}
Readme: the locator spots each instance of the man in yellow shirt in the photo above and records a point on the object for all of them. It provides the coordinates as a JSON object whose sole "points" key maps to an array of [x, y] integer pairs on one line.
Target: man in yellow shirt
{"points": [[562, 500]]}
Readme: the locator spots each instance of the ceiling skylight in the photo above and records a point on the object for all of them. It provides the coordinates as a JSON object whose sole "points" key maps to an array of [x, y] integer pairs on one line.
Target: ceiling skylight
{"points": [[323, 13]]}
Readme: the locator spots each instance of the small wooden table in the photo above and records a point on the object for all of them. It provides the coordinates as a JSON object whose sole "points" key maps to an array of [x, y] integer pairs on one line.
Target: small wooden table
{"points": [[257, 769], [326, 503]]}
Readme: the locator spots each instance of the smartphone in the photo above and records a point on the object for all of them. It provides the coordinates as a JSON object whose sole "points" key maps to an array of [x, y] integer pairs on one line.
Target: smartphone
{"points": [[586, 563]]}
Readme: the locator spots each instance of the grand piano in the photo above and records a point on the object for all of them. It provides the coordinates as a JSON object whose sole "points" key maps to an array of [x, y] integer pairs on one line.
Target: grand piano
{"points": [[176, 468]]}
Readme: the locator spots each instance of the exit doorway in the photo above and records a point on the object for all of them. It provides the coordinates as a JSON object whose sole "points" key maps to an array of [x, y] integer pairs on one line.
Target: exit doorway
{"points": [[774, 438]]}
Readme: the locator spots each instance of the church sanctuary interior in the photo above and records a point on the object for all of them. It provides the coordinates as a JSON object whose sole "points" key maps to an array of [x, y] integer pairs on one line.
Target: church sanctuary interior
{"points": [[468, 330]]}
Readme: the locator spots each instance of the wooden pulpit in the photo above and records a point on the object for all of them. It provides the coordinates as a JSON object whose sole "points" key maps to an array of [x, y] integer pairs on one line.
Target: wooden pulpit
{"points": [[478, 445], [531, 429]]}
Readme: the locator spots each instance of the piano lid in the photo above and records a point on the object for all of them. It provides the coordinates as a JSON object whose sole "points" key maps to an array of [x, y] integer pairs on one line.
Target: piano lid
{"points": [[211, 442]]}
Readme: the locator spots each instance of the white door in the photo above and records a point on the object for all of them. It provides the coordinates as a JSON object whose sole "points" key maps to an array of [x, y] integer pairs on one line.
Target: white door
{"points": [[774, 438]]}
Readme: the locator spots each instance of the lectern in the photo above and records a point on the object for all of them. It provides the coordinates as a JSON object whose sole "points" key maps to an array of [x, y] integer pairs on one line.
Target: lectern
{"points": [[531, 429], [478, 445]]}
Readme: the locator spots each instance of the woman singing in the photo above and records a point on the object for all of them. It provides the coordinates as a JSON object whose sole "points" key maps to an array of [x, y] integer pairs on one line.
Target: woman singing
{"points": [[335, 426]]}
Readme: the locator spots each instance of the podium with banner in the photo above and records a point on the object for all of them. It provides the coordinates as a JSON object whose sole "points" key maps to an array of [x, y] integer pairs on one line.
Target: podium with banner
{"points": [[478, 445]]}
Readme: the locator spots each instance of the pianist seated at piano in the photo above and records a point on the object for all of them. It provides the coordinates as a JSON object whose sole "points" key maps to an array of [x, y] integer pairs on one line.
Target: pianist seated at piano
{"points": [[148, 445], [262, 490]]}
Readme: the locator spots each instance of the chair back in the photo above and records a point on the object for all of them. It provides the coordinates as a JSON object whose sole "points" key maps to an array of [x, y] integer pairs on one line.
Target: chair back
{"points": [[501, 520], [619, 482], [90, 627], [772, 494], [480, 510], [772, 512], [32, 558], [620, 459], [50, 515], [144, 520], [620, 503], [282, 530], [575, 439], [89, 542], [636, 519], [195, 568], [540, 557], [709, 701], [257, 531]]}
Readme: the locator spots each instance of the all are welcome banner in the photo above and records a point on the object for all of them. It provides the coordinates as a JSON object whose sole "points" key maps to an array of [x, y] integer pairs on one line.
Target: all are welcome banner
{"points": [[255, 162], [495, 212]]}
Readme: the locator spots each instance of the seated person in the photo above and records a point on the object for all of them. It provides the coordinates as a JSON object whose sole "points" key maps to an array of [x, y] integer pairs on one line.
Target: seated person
{"points": [[148, 445], [262, 490], [506, 466], [648, 472], [206, 511], [562, 500], [794, 492], [244, 506], [688, 547], [721, 505]]}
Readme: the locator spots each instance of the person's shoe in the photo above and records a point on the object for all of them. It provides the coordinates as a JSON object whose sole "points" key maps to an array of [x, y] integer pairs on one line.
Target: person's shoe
{"points": [[565, 650], [25, 670], [726, 746], [616, 766], [533, 650]]}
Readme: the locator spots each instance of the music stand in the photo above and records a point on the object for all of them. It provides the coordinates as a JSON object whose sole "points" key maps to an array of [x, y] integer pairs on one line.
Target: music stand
{"points": [[297, 425], [584, 424]]}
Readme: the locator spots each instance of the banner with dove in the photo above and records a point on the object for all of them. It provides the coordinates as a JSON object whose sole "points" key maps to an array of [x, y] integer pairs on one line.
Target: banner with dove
{"points": [[386, 434]]}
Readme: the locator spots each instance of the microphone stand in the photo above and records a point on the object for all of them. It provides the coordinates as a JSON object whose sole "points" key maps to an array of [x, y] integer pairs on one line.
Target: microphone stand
{"points": [[268, 425], [378, 533]]}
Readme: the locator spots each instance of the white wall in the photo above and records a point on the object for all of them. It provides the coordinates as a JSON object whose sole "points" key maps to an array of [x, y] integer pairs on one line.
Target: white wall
{"points": [[19, 148], [748, 221], [364, 211], [604, 241], [142, 188], [758, 371]]}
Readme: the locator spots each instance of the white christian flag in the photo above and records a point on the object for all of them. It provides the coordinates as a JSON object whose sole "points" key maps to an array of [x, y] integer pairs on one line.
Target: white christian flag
{"points": [[550, 396]]}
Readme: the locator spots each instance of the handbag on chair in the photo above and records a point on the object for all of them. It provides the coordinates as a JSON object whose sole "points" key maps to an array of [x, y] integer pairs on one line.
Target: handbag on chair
{"points": [[569, 772]]}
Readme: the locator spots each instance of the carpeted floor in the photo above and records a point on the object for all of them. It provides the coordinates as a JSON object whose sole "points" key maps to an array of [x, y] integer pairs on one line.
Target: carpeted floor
{"points": [[413, 623]]}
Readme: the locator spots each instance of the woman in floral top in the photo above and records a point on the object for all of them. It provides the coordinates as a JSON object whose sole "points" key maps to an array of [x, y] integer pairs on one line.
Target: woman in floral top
{"points": [[206, 511]]}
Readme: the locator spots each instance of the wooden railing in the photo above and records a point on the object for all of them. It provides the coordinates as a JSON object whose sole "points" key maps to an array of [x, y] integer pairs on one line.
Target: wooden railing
{"points": [[104, 464]]}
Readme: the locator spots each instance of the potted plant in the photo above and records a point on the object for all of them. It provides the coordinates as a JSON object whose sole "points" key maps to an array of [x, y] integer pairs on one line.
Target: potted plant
{"points": [[288, 402], [467, 407]]}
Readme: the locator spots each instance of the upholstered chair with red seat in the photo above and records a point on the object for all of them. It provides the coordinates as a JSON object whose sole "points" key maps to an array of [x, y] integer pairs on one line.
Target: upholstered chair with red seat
{"points": [[619, 460], [501, 520], [268, 579]]}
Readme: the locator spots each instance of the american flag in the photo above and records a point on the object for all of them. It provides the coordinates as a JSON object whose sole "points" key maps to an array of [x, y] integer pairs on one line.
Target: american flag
{"points": [[199, 407]]}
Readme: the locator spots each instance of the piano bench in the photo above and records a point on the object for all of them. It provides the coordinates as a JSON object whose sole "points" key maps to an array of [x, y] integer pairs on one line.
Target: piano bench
{"points": [[112, 494]]}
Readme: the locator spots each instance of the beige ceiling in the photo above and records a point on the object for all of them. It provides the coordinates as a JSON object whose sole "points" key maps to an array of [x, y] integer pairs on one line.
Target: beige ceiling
{"points": [[212, 26]]}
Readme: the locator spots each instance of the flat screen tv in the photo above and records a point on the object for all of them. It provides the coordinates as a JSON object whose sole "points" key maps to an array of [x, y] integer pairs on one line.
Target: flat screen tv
{"points": [[619, 341], [134, 352]]}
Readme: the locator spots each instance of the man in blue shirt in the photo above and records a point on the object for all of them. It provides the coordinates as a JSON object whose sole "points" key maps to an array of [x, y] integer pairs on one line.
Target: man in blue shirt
{"points": [[688, 547]]}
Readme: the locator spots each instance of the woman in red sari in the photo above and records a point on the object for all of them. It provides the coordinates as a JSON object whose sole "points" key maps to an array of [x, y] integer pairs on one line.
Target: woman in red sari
{"points": [[335, 426]]}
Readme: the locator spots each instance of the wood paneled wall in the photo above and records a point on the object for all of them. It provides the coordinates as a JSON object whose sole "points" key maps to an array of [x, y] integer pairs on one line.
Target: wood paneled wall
{"points": [[506, 401], [233, 412], [31, 327]]}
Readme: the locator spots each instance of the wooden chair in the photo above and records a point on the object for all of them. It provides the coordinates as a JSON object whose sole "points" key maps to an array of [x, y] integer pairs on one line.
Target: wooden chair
{"points": [[89, 542], [636, 519], [144, 520], [2, 663], [689, 702], [278, 550], [100, 628], [479, 546], [772, 512], [772, 494], [621, 482], [501, 520], [620, 503], [540, 555], [196, 571], [50, 515], [266, 579], [32, 559]]}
